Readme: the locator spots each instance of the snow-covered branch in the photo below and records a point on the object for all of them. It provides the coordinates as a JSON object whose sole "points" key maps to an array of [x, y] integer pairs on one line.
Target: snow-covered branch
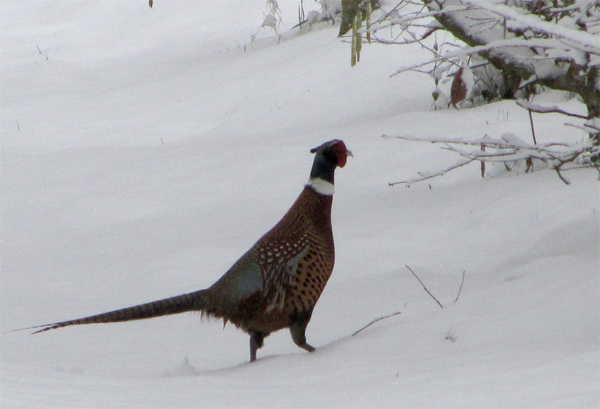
{"points": [[590, 41], [540, 109], [467, 51], [508, 150], [550, 43]]}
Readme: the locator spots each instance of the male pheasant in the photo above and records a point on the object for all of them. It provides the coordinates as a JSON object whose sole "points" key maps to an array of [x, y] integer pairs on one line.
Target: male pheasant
{"points": [[277, 283]]}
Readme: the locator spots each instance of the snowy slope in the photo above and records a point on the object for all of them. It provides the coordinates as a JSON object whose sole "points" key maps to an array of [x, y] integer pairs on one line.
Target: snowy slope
{"points": [[144, 150]]}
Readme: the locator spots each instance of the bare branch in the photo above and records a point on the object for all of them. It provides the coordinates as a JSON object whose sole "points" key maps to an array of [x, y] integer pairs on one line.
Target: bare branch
{"points": [[424, 287], [532, 127], [424, 176], [587, 127], [461, 286], [566, 181]]}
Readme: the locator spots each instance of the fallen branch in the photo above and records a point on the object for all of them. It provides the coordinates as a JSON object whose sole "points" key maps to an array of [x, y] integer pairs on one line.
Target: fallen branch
{"points": [[424, 287], [377, 320], [509, 150]]}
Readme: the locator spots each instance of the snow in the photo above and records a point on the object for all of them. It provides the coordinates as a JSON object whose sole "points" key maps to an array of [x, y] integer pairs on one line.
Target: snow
{"points": [[144, 150]]}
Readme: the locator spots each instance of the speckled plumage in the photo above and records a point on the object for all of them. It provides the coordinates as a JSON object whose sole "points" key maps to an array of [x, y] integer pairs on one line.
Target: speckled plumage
{"points": [[276, 283], [294, 260]]}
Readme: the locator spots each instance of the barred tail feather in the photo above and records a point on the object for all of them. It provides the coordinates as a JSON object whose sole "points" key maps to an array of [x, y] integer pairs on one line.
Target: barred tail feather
{"points": [[195, 301]]}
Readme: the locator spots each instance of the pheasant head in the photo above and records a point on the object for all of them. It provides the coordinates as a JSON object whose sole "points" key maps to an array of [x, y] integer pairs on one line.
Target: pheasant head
{"points": [[328, 157]]}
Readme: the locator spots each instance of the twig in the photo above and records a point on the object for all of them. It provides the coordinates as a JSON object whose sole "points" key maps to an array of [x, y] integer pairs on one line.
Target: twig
{"points": [[424, 176], [532, 128], [587, 127], [565, 180], [529, 160], [376, 320], [461, 286], [483, 162], [436, 300]]}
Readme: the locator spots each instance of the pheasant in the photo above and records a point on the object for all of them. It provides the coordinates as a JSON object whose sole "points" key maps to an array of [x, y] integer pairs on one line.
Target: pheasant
{"points": [[276, 283]]}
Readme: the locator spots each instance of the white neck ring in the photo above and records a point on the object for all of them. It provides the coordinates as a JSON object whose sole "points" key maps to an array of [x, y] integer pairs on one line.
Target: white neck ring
{"points": [[321, 186]]}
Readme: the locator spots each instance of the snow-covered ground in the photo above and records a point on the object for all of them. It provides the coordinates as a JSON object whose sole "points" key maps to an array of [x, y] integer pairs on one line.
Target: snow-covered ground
{"points": [[144, 150]]}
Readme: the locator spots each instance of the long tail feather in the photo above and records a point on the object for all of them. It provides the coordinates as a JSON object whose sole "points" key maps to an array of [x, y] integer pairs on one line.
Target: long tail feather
{"points": [[195, 301]]}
